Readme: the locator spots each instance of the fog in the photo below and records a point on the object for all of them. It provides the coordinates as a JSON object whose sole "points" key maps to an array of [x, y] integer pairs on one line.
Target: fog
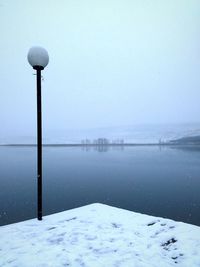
{"points": [[112, 63]]}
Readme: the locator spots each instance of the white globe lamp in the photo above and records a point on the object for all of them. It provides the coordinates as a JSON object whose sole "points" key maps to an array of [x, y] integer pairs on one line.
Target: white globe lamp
{"points": [[38, 57]]}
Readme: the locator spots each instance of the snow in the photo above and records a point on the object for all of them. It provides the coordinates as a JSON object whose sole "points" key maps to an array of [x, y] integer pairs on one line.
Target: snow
{"points": [[98, 235]]}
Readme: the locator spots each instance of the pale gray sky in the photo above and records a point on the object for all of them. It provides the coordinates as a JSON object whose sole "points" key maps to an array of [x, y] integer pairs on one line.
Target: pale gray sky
{"points": [[116, 62]]}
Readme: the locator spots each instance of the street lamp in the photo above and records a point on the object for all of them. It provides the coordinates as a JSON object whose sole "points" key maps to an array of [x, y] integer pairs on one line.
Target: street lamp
{"points": [[38, 58]]}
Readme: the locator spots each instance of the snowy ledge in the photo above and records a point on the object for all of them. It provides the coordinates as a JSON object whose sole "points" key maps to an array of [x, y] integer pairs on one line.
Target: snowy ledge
{"points": [[98, 235]]}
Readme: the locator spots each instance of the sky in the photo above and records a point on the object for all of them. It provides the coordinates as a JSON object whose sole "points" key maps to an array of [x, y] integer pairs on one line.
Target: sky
{"points": [[112, 63]]}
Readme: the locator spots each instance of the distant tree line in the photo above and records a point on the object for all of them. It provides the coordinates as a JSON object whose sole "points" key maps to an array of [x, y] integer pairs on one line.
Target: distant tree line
{"points": [[102, 141]]}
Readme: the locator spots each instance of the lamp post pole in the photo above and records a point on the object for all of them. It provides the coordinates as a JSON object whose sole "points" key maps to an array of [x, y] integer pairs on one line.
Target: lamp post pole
{"points": [[38, 59], [39, 144]]}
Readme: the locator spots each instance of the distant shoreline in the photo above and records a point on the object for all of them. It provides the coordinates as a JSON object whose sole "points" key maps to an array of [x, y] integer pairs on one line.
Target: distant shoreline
{"points": [[103, 145], [184, 141]]}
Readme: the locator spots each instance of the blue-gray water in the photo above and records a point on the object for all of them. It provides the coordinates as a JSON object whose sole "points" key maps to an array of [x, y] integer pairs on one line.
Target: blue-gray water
{"points": [[160, 181]]}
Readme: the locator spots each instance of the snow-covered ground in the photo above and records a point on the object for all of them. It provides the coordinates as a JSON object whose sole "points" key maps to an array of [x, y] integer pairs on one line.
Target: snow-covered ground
{"points": [[98, 235]]}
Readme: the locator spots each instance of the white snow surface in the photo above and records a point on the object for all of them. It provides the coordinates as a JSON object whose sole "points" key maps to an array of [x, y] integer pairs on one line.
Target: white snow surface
{"points": [[98, 235]]}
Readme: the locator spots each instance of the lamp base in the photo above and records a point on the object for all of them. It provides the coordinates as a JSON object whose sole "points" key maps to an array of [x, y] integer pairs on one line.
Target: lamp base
{"points": [[37, 67]]}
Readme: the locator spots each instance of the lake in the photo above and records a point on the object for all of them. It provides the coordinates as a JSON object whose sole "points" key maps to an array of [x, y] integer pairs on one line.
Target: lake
{"points": [[156, 180]]}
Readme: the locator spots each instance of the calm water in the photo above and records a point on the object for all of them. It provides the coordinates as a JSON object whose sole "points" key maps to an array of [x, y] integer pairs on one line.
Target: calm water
{"points": [[157, 181]]}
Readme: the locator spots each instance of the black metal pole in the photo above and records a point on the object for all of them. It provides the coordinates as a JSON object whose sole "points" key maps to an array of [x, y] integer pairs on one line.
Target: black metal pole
{"points": [[39, 145]]}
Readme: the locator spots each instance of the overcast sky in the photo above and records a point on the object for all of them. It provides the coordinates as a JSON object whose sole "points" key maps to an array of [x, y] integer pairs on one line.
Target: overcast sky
{"points": [[116, 62]]}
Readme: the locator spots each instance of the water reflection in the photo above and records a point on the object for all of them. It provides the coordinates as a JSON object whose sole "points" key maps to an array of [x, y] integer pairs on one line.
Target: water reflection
{"points": [[189, 148], [102, 148], [156, 180]]}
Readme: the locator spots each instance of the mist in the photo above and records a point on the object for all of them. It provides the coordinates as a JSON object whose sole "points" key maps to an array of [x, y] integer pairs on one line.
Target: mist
{"points": [[112, 63]]}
